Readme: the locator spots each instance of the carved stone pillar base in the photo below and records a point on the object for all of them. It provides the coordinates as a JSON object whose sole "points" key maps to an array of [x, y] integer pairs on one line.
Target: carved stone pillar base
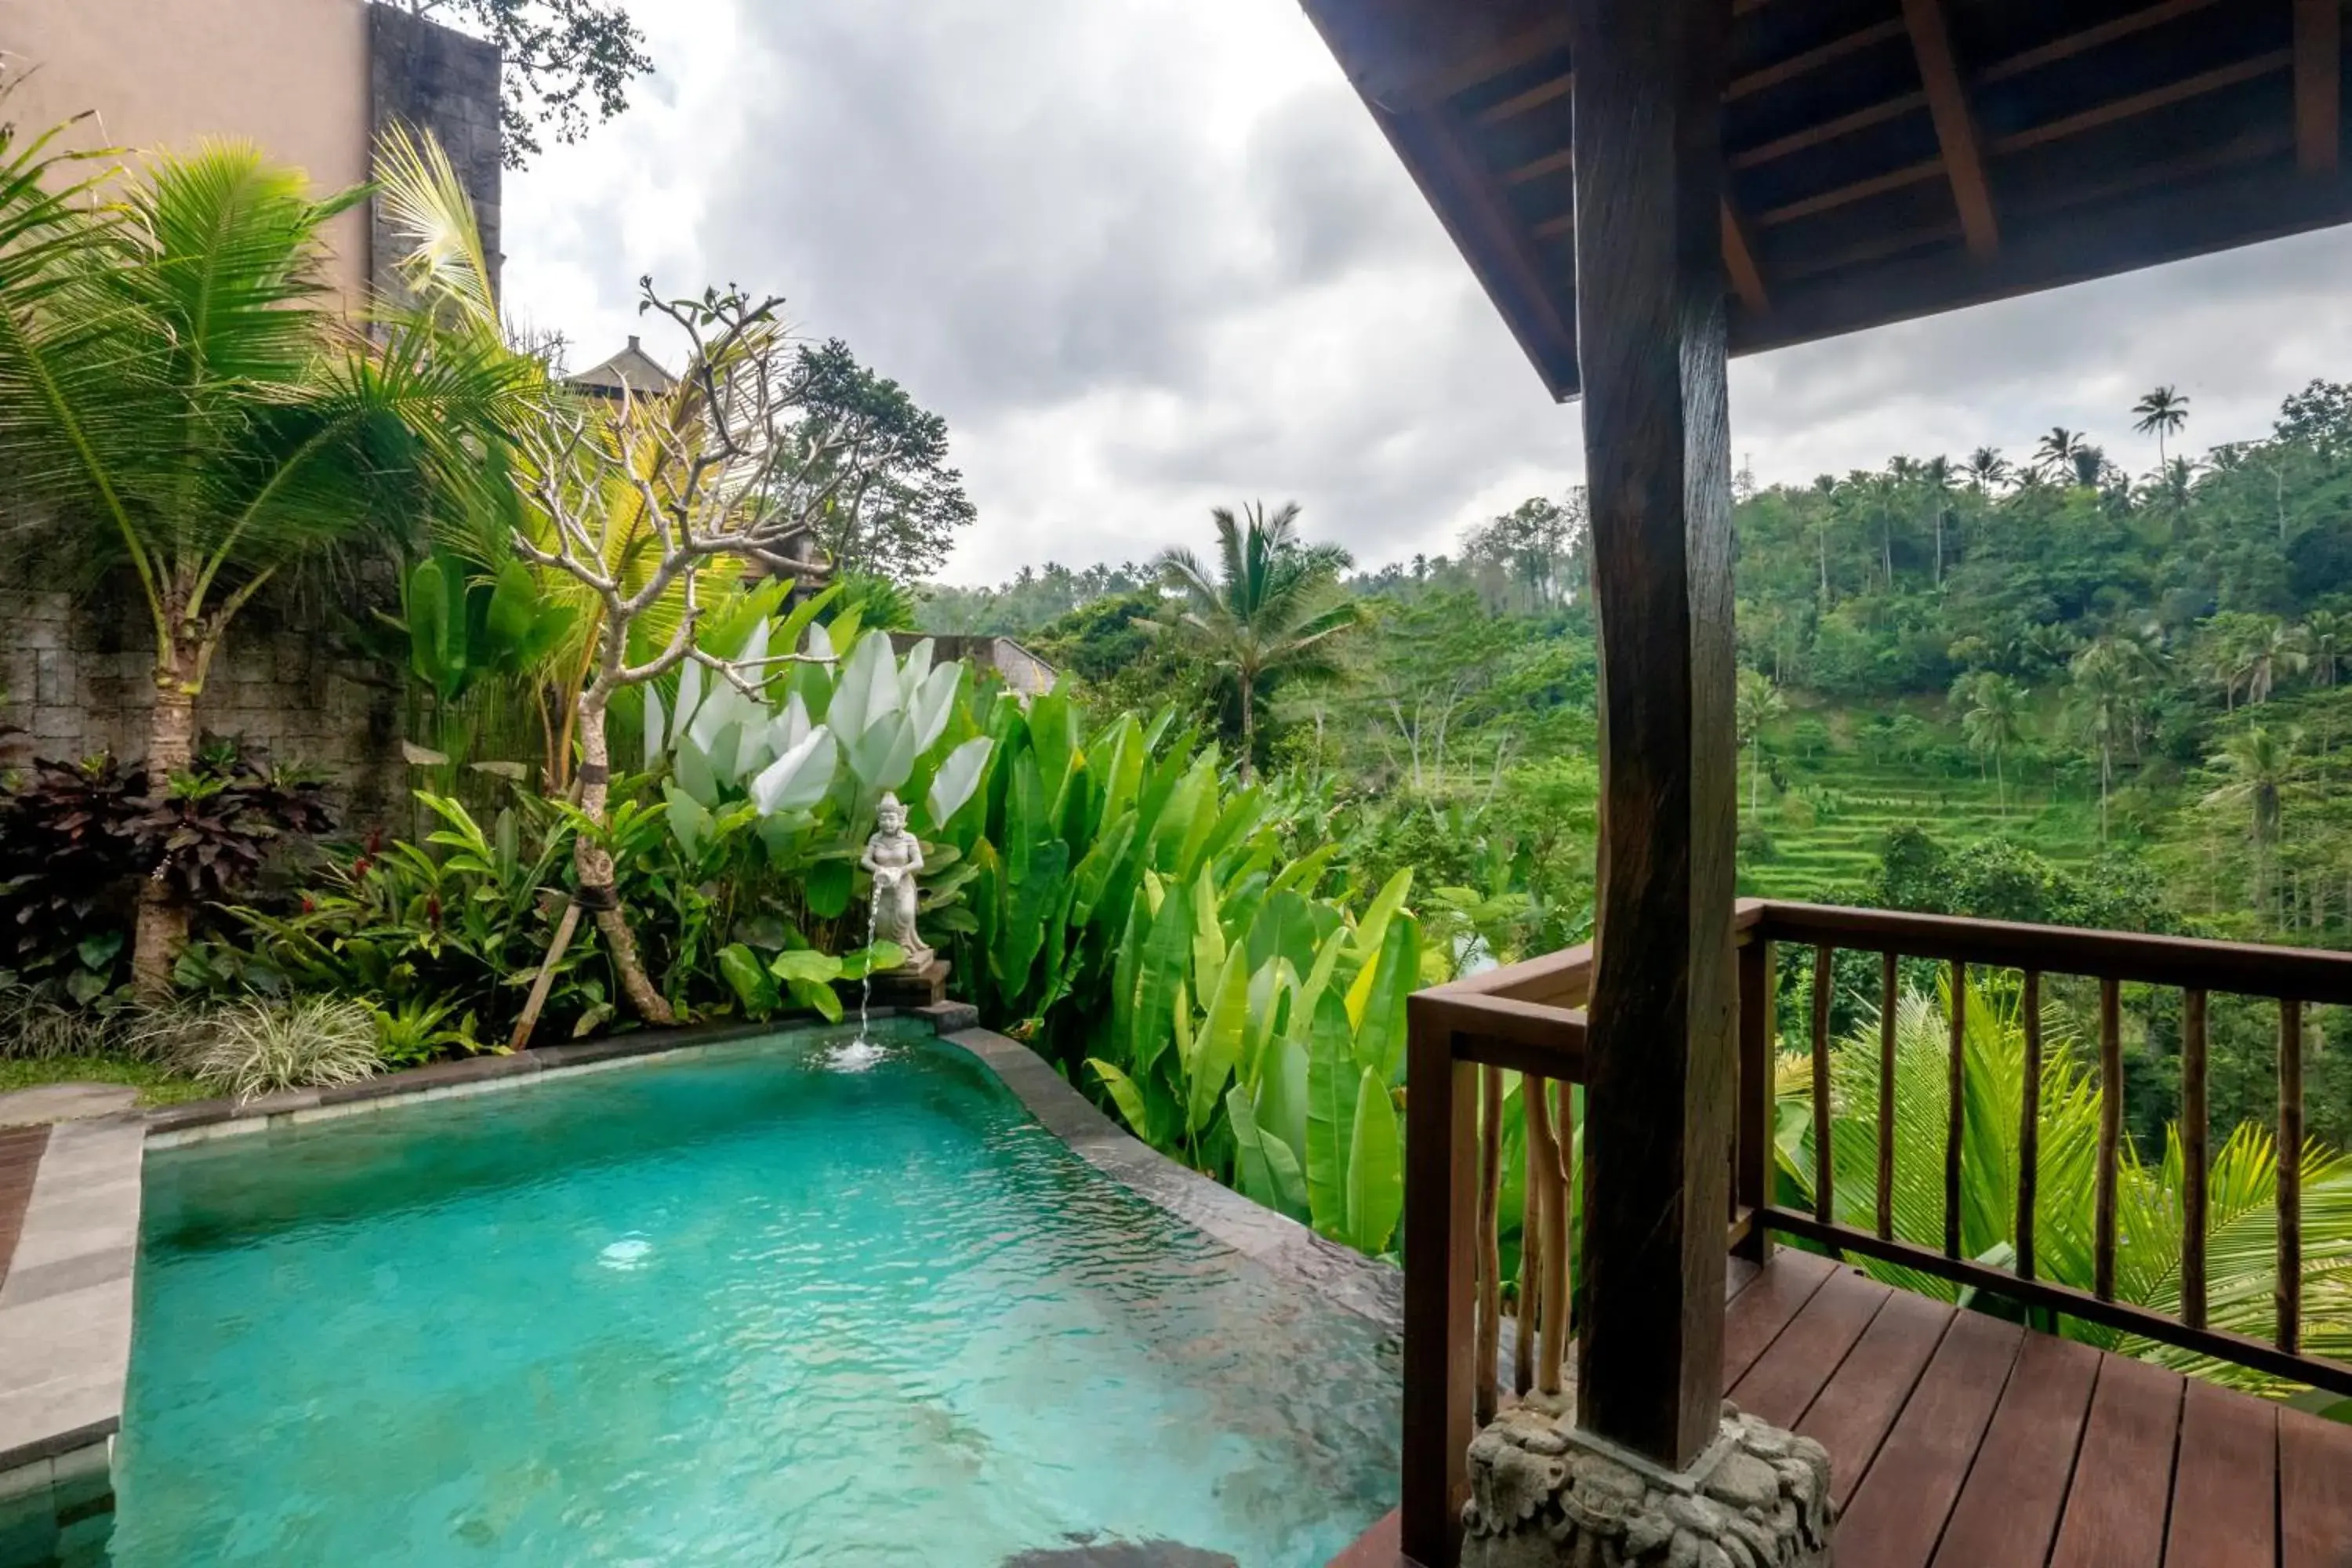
{"points": [[1545, 1495]]}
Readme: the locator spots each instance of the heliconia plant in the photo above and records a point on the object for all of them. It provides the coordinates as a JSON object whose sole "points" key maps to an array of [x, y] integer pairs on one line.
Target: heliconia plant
{"points": [[1260, 1030]]}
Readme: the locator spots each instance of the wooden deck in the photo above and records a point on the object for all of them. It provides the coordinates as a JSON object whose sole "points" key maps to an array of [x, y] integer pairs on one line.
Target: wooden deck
{"points": [[1960, 1441], [20, 1156]]}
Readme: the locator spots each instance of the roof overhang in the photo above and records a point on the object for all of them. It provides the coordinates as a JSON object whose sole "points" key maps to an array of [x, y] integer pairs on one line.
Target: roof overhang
{"points": [[1885, 158]]}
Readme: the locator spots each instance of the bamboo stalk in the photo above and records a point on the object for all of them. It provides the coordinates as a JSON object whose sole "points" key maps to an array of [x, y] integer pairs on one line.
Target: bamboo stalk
{"points": [[1490, 1252], [1956, 1109], [1551, 1350], [1523, 1332], [2194, 1129], [1824, 1174], [2111, 1124], [2289, 1177], [1887, 1010], [2028, 1124]]}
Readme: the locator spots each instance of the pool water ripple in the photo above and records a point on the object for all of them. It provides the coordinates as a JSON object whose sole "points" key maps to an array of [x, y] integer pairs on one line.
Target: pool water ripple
{"points": [[724, 1308]]}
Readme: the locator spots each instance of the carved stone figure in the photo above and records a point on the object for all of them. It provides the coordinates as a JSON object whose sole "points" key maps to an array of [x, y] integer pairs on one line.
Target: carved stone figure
{"points": [[894, 856]]}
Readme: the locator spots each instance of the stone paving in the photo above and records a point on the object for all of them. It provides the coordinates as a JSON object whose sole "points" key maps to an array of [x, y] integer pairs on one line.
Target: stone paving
{"points": [[65, 1102]]}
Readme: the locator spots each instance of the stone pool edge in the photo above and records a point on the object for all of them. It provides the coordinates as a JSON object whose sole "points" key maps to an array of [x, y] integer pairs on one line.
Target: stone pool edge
{"points": [[1342, 1276], [66, 1300]]}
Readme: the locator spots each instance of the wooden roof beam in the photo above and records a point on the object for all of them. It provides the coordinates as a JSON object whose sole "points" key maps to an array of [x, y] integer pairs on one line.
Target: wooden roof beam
{"points": [[2318, 85], [2073, 43], [1739, 263], [2142, 102], [1955, 126]]}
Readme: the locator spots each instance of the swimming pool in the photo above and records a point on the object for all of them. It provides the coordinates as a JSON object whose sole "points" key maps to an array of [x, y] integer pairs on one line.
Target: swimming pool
{"points": [[726, 1306]]}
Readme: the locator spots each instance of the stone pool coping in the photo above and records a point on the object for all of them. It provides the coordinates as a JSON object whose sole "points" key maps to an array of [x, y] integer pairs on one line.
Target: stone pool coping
{"points": [[65, 1302], [1289, 1250]]}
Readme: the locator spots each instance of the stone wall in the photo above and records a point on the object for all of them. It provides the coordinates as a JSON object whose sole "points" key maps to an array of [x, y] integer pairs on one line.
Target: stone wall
{"points": [[431, 79], [75, 674]]}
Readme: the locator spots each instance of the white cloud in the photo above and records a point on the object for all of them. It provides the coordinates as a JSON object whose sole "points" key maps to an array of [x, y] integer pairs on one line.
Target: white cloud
{"points": [[1150, 254]]}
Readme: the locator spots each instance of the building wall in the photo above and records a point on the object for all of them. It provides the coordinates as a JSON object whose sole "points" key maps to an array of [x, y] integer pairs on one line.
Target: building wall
{"points": [[310, 80], [77, 676], [424, 76], [291, 75]]}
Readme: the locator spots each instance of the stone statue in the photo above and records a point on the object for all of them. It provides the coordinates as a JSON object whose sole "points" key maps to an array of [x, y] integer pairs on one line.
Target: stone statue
{"points": [[895, 855]]}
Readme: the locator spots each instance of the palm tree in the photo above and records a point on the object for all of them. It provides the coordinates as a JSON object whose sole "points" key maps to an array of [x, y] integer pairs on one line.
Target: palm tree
{"points": [[1755, 703], [1987, 469], [2162, 413], [2241, 1183], [1271, 608], [2103, 702], [2256, 767], [1994, 720], [2328, 638], [1936, 480], [2277, 648], [2054, 453], [177, 389]]}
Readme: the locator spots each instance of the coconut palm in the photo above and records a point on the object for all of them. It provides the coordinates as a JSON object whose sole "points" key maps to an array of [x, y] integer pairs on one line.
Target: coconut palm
{"points": [[178, 391], [2162, 413], [1987, 469], [1992, 720], [2054, 453], [2275, 648], [2327, 640], [1271, 607], [1755, 703], [2256, 767], [2241, 1183], [2103, 703]]}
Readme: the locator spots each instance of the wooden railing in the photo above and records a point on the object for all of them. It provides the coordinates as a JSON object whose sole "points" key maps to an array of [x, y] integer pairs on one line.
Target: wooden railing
{"points": [[1529, 1018], [2289, 978]]}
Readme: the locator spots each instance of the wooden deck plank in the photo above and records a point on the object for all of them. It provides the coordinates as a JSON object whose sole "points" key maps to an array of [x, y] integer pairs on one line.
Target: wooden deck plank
{"points": [[2314, 1484], [1782, 1384], [2008, 1509], [1759, 1313], [1379, 1547], [2225, 1482], [2127, 1449], [1898, 1511], [20, 1158], [1852, 1414]]}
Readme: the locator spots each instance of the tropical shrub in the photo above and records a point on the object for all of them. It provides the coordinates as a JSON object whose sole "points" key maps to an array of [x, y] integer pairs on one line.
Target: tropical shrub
{"points": [[261, 1045], [1259, 1034]]}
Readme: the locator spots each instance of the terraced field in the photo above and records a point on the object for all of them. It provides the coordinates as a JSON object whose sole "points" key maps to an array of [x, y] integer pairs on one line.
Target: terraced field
{"points": [[1823, 852]]}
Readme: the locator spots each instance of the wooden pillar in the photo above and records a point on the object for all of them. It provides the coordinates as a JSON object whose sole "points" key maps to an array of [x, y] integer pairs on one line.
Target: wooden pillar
{"points": [[1650, 323]]}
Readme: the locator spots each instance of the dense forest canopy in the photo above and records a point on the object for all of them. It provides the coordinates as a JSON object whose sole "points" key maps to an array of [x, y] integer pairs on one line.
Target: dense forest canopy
{"points": [[2017, 683]]}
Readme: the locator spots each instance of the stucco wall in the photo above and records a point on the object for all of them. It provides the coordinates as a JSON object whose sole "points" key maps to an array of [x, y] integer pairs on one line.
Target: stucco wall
{"points": [[291, 75]]}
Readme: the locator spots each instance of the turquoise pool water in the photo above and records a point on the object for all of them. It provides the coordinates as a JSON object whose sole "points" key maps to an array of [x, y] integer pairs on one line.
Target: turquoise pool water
{"points": [[733, 1306]]}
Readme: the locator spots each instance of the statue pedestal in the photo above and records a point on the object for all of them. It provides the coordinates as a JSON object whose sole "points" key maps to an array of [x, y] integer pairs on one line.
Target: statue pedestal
{"points": [[923, 987]]}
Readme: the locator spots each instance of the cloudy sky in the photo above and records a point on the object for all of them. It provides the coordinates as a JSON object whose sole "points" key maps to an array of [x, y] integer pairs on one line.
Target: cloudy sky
{"points": [[1148, 256]]}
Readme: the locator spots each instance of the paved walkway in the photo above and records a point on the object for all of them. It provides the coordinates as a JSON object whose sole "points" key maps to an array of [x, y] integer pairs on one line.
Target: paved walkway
{"points": [[65, 1102]]}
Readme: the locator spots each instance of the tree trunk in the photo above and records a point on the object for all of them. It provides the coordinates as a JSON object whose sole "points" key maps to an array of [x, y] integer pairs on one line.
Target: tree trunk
{"points": [[599, 895], [162, 931], [1249, 727]]}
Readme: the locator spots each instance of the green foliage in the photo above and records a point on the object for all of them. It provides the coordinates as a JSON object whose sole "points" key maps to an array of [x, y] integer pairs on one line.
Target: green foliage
{"points": [[259, 1046], [2242, 1182]]}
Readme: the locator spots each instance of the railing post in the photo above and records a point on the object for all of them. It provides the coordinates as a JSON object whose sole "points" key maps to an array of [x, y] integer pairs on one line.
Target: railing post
{"points": [[1751, 1178], [1441, 1199]]}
